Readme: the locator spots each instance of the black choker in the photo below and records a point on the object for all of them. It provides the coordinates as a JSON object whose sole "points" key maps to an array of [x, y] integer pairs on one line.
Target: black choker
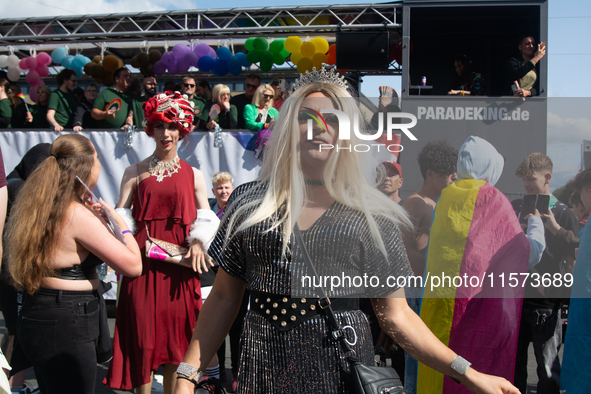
{"points": [[313, 182]]}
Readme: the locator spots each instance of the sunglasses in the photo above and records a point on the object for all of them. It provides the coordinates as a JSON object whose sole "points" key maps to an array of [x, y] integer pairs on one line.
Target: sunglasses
{"points": [[189, 85], [304, 116], [276, 83], [249, 86], [269, 96]]}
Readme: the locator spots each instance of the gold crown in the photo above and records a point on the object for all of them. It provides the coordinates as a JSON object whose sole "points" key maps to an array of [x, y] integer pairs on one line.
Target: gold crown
{"points": [[324, 75]]}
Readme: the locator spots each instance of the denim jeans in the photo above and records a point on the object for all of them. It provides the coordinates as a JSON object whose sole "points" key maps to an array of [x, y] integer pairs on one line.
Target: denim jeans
{"points": [[58, 331], [542, 327]]}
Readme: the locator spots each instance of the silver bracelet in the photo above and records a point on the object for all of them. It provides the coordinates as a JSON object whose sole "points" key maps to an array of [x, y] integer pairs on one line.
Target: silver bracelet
{"points": [[460, 365], [190, 372]]}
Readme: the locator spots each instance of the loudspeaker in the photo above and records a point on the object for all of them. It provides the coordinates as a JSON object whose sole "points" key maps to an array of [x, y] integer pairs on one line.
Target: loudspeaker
{"points": [[363, 50], [586, 154]]}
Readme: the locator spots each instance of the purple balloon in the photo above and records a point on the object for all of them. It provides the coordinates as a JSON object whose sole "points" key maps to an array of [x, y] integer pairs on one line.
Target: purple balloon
{"points": [[192, 58], [180, 50], [184, 65], [173, 68], [212, 53], [205, 63], [159, 68], [167, 58], [201, 49]]}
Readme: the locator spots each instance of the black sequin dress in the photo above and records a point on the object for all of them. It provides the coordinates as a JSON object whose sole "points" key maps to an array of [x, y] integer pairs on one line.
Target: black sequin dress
{"points": [[305, 359]]}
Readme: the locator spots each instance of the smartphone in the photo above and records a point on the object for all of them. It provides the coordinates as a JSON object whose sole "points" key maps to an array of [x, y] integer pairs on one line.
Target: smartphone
{"points": [[515, 86], [543, 203], [282, 85], [528, 205]]}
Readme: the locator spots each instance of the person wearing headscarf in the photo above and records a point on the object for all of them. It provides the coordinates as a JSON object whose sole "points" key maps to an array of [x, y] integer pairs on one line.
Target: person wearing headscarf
{"points": [[476, 236]]}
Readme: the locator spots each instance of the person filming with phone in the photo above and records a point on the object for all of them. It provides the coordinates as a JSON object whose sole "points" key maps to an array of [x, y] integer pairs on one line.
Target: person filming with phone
{"points": [[540, 322], [521, 70]]}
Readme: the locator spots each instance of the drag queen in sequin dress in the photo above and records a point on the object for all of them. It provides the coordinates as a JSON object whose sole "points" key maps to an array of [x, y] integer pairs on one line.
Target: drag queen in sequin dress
{"points": [[348, 227]]}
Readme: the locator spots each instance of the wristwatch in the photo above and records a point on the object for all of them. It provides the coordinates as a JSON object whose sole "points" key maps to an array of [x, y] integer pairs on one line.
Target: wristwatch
{"points": [[190, 372], [460, 365]]}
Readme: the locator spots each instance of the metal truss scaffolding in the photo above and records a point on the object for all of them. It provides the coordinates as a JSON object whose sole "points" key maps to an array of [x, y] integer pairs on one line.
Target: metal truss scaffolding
{"points": [[200, 24]]}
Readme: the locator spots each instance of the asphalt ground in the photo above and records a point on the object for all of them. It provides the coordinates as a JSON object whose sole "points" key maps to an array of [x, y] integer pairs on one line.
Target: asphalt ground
{"points": [[157, 388]]}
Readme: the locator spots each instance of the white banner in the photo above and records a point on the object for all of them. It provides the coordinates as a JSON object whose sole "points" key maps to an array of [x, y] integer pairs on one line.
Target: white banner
{"points": [[235, 156]]}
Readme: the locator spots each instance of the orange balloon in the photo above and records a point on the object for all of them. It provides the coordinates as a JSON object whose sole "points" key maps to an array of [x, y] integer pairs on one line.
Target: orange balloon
{"points": [[332, 50], [331, 59]]}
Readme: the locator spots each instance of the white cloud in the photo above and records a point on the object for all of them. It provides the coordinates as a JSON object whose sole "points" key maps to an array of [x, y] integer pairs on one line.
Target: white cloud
{"points": [[40, 8]]}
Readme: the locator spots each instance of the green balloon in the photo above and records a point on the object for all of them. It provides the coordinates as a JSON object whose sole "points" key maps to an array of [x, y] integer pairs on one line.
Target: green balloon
{"points": [[276, 46], [285, 52], [265, 66], [260, 44], [278, 59], [253, 56], [249, 44], [267, 57]]}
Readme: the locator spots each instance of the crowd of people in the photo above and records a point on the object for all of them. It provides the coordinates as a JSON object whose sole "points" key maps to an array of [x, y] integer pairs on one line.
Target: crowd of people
{"points": [[195, 270]]}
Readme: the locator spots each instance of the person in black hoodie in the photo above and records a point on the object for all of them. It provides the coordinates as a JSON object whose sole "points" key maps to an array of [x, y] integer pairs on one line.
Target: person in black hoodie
{"points": [[522, 68], [83, 118]]}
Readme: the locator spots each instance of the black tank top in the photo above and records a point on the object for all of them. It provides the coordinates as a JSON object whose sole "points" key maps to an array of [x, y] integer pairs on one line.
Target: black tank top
{"points": [[83, 271]]}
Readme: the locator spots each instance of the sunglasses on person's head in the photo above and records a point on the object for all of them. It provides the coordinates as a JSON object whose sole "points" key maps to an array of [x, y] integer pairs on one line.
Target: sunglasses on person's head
{"points": [[189, 85], [275, 83], [249, 86], [269, 96]]}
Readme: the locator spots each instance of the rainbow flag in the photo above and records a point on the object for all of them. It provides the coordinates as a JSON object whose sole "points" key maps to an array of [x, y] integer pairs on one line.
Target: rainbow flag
{"points": [[575, 376], [475, 234]]}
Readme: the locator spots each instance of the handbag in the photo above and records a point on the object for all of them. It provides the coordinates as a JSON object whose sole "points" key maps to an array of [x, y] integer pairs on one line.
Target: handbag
{"points": [[158, 249], [366, 379]]}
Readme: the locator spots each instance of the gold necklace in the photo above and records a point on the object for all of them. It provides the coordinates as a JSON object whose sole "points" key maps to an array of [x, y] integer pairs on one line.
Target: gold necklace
{"points": [[163, 170]]}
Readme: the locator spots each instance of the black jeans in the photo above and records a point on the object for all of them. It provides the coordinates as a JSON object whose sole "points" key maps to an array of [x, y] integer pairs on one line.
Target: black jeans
{"points": [[58, 331]]}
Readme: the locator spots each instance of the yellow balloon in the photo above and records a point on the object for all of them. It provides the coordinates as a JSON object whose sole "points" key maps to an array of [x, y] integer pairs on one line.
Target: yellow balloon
{"points": [[295, 57], [308, 49], [305, 64], [292, 44], [318, 59], [321, 45]]}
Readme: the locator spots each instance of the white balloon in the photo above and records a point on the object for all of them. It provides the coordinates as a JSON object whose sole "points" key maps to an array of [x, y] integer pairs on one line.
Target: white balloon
{"points": [[13, 60], [14, 73], [3, 61]]}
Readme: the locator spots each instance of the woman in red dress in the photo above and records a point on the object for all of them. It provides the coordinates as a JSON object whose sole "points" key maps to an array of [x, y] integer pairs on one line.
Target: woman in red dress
{"points": [[157, 311]]}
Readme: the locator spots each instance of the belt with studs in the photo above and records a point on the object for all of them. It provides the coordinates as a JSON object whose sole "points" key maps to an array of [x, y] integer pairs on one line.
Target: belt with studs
{"points": [[285, 313]]}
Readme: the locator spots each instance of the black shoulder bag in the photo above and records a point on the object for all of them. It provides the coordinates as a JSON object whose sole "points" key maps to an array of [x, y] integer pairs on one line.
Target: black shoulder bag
{"points": [[366, 379]]}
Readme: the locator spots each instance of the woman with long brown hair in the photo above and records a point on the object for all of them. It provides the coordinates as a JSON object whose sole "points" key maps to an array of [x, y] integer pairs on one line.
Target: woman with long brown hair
{"points": [[8, 102], [56, 239]]}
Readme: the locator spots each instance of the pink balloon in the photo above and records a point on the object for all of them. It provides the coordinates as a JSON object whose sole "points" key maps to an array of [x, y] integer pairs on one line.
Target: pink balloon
{"points": [[23, 64], [32, 77], [32, 63], [42, 70], [43, 58], [33, 93]]}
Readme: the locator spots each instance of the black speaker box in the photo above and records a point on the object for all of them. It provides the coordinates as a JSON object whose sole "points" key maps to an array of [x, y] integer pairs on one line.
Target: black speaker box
{"points": [[363, 50]]}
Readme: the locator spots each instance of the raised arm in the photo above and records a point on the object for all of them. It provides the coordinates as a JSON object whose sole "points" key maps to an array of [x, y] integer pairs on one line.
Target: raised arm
{"points": [[409, 331], [91, 232], [215, 319]]}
